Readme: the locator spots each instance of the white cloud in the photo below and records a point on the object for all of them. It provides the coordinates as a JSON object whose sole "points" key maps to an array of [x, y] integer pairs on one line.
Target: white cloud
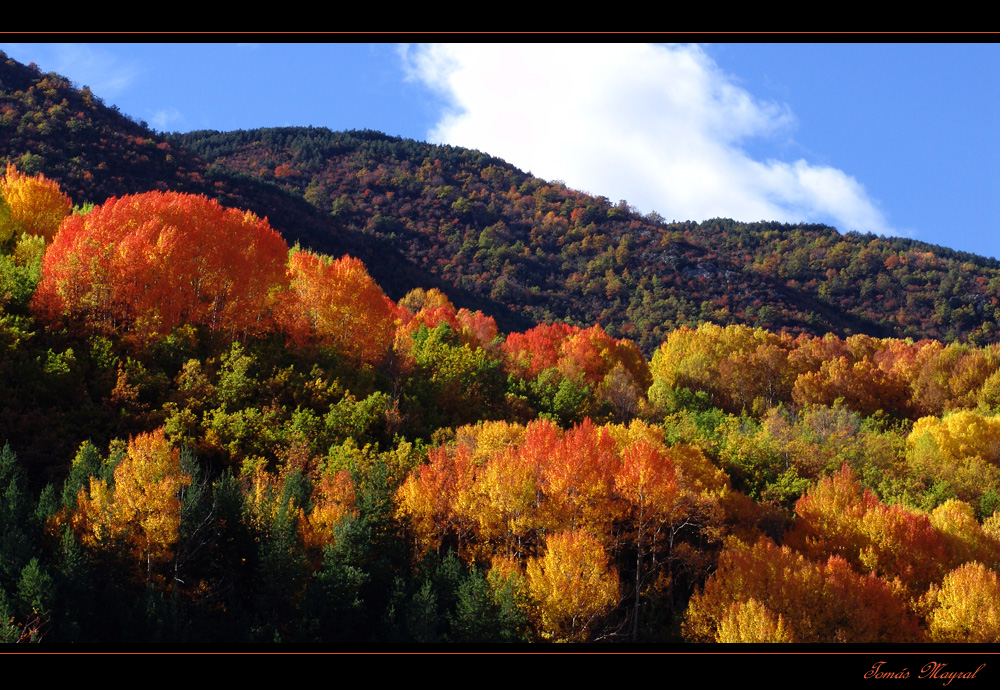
{"points": [[91, 65], [660, 126], [105, 73], [162, 119]]}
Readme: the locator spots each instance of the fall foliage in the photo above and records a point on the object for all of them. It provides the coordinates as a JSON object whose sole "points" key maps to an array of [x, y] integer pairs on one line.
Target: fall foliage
{"points": [[142, 508], [30, 204], [279, 451], [572, 584], [816, 600], [336, 304], [149, 262], [967, 606]]}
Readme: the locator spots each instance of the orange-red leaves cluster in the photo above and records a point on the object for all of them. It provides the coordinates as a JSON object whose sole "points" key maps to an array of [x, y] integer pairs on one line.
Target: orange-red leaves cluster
{"points": [[431, 496], [838, 517], [336, 304], [583, 355], [598, 479], [646, 478], [148, 262], [432, 307], [815, 601]]}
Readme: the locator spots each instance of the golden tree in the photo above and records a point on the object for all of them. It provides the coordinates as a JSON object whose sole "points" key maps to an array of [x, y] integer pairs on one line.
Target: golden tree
{"points": [[967, 606], [962, 448], [750, 621], [30, 204], [573, 585], [142, 509]]}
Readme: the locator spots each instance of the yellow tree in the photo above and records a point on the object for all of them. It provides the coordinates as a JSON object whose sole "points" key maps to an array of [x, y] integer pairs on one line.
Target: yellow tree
{"points": [[143, 509], [963, 448], [573, 585], [966, 539], [34, 205], [967, 606], [488, 438], [507, 500], [750, 621], [735, 365]]}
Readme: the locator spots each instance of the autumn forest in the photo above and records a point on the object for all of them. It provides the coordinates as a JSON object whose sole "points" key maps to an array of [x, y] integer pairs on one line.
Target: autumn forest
{"points": [[295, 385]]}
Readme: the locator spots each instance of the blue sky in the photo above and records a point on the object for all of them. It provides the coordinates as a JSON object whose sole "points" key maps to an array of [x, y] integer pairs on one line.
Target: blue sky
{"points": [[897, 139]]}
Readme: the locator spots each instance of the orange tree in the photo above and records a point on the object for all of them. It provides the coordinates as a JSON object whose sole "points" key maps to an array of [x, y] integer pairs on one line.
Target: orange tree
{"points": [[335, 303], [145, 263]]}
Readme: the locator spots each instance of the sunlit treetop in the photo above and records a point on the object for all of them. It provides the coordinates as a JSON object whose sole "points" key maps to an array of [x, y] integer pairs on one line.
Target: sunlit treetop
{"points": [[430, 308], [334, 303], [146, 263], [30, 204]]}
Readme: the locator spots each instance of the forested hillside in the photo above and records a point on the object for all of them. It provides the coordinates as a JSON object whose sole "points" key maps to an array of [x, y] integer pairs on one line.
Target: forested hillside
{"points": [[219, 425], [96, 152], [554, 253]]}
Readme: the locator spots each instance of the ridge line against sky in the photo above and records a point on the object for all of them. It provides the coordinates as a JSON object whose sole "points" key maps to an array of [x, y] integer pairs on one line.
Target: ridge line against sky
{"points": [[666, 137], [884, 138]]}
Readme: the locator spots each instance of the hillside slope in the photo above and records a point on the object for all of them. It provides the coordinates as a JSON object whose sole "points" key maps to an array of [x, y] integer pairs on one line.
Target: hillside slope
{"points": [[95, 152], [555, 253], [498, 239]]}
